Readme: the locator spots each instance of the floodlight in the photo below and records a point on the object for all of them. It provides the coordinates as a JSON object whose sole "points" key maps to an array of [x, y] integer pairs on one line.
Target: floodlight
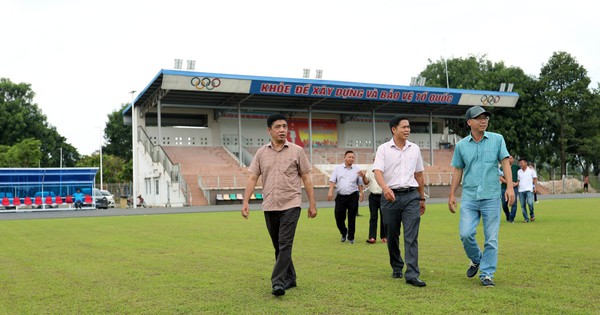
{"points": [[319, 74], [191, 64], [178, 63], [306, 73]]}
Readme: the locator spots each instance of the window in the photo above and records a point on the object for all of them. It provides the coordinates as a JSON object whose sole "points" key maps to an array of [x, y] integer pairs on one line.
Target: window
{"points": [[148, 185], [157, 184], [179, 120]]}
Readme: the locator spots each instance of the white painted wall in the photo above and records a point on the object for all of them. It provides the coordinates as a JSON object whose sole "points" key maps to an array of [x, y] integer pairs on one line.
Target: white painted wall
{"points": [[148, 171]]}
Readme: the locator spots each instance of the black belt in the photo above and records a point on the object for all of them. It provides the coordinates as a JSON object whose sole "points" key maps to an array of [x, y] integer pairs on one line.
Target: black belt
{"points": [[356, 192], [404, 190]]}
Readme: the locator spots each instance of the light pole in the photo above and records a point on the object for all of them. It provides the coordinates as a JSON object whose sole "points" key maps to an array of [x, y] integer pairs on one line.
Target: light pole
{"points": [[134, 151], [101, 181]]}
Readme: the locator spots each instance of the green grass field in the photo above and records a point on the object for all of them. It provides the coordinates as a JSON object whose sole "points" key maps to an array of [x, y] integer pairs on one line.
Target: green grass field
{"points": [[219, 263]]}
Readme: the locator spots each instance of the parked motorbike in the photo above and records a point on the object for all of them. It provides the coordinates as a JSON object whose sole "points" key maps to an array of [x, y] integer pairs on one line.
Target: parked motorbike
{"points": [[140, 202]]}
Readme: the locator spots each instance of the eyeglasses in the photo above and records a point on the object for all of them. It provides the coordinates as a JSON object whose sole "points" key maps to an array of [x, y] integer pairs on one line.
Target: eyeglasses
{"points": [[482, 118]]}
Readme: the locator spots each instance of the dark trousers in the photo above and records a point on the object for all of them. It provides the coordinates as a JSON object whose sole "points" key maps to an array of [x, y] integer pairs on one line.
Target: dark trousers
{"points": [[346, 204], [403, 211], [510, 216], [375, 209], [282, 228]]}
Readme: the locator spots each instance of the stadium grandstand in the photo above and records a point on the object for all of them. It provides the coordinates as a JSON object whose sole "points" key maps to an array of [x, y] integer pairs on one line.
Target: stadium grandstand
{"points": [[194, 133]]}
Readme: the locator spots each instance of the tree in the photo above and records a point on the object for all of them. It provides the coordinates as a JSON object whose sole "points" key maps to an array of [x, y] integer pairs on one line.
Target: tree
{"points": [[118, 136], [565, 84], [114, 168], [520, 126], [587, 133], [23, 154], [22, 119]]}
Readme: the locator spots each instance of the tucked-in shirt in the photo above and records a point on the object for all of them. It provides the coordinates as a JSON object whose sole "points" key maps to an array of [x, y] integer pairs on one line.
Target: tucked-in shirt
{"points": [[479, 161], [346, 179], [281, 175], [526, 179], [373, 187], [399, 165]]}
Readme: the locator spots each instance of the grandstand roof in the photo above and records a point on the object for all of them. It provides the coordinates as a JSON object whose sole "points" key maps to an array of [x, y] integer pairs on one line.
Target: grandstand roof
{"points": [[176, 88]]}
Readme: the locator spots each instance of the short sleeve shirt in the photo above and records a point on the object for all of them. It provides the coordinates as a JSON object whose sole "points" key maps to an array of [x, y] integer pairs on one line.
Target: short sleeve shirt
{"points": [[281, 173], [479, 161], [526, 179], [514, 168], [374, 188], [399, 165], [346, 179]]}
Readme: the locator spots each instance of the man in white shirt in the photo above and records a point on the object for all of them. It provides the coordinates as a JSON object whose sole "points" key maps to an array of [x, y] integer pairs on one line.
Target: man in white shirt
{"points": [[398, 170], [374, 208], [527, 181]]}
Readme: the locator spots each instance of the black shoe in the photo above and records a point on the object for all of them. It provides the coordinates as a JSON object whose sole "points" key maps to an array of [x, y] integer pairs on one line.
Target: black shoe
{"points": [[487, 282], [351, 241], [343, 239], [472, 271], [397, 275], [278, 290], [290, 285], [416, 282]]}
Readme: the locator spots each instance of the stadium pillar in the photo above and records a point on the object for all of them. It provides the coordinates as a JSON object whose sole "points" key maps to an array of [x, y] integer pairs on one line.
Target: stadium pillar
{"points": [[158, 108], [134, 151], [431, 138], [374, 134], [239, 112], [310, 140]]}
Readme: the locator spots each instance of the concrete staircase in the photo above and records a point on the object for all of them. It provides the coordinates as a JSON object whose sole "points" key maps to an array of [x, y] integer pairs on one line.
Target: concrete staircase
{"points": [[205, 162]]}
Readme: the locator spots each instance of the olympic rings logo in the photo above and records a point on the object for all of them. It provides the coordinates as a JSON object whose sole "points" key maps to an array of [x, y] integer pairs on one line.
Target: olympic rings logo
{"points": [[489, 100], [205, 82]]}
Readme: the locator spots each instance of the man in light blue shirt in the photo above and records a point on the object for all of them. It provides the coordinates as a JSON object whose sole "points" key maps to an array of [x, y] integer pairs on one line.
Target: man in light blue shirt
{"points": [[475, 161], [78, 198], [347, 179]]}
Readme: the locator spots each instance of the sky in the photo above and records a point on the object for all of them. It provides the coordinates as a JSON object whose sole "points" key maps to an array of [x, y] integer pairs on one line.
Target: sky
{"points": [[84, 58]]}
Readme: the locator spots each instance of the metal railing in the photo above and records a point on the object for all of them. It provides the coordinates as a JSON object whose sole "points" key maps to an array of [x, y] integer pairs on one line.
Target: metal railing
{"points": [[158, 155]]}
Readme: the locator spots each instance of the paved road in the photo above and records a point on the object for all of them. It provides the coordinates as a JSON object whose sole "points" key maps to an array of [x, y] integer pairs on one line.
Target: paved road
{"points": [[195, 209]]}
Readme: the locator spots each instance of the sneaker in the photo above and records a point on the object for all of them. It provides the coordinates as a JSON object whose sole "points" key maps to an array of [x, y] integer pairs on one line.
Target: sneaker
{"points": [[371, 241], [487, 282], [472, 271], [526, 221], [384, 240], [351, 241], [532, 218]]}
